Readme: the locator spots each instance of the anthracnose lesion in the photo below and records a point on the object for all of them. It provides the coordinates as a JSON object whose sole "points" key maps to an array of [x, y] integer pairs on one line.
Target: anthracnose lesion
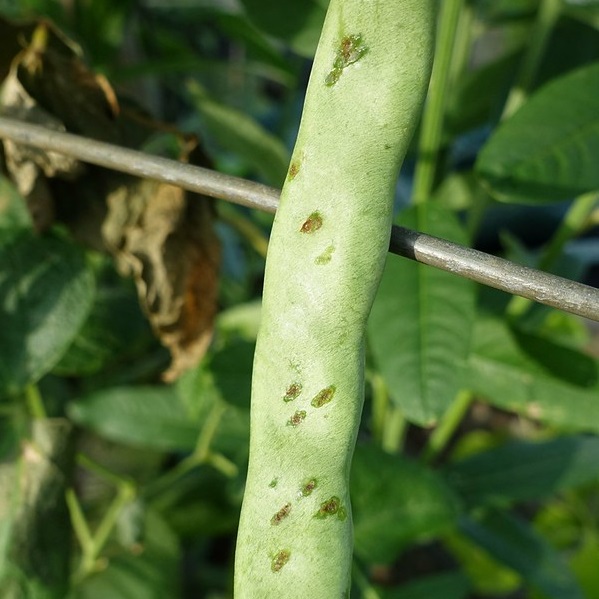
{"points": [[350, 50]]}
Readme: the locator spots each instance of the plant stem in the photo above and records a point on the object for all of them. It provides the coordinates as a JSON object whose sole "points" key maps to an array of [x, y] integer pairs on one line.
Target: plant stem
{"points": [[394, 430], [388, 422], [35, 403], [380, 403], [447, 426], [79, 523], [361, 580], [201, 455], [101, 471], [547, 16], [431, 134]]}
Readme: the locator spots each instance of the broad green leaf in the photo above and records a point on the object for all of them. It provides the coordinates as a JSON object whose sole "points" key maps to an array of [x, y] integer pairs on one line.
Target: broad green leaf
{"points": [[114, 329], [520, 471], [514, 542], [502, 372], [479, 95], [547, 150], [396, 501], [35, 533], [449, 585], [152, 417], [298, 22], [419, 328], [14, 216], [46, 293], [574, 43], [150, 572], [232, 372], [239, 133]]}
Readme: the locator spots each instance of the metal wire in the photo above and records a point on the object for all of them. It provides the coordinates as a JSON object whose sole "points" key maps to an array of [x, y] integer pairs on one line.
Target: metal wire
{"points": [[532, 284]]}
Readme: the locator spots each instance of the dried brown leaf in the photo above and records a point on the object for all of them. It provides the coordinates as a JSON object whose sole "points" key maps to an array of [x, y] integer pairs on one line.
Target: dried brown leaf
{"points": [[164, 239]]}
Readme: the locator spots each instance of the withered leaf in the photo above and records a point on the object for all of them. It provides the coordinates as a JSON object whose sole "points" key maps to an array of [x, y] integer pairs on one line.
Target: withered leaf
{"points": [[164, 238]]}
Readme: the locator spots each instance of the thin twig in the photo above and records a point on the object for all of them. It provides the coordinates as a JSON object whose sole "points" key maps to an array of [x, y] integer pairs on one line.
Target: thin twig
{"points": [[536, 285]]}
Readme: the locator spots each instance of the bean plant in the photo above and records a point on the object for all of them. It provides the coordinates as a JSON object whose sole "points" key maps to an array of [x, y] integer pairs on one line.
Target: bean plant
{"points": [[326, 255], [360, 424]]}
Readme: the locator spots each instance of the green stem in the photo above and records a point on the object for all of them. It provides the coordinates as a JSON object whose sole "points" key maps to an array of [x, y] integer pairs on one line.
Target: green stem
{"points": [[380, 403], [547, 17], [35, 403], [92, 545], [431, 134], [208, 431], [101, 471], [361, 580], [447, 426], [574, 222], [125, 495], [201, 455], [79, 523], [394, 430]]}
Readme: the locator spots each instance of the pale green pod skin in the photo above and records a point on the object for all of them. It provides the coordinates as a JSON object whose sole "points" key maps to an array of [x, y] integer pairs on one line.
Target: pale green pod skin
{"points": [[326, 255]]}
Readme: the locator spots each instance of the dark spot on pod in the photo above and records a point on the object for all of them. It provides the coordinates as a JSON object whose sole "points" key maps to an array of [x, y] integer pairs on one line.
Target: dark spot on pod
{"points": [[324, 397], [294, 169], [351, 49], [292, 392], [297, 418], [273, 483], [279, 560], [281, 515], [308, 487], [325, 257], [313, 223], [331, 507]]}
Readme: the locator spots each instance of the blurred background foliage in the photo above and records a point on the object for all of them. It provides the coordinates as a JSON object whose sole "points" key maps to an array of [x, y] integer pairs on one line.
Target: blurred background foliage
{"points": [[476, 470]]}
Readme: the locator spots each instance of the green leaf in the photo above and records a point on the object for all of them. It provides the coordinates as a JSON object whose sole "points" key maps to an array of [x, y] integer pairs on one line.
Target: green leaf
{"points": [[232, 371], [501, 371], [152, 417], [114, 329], [449, 585], [520, 471], [419, 328], [480, 94], [240, 134], [298, 22], [46, 293], [513, 542], [584, 563], [14, 216], [547, 150], [35, 533], [396, 501]]}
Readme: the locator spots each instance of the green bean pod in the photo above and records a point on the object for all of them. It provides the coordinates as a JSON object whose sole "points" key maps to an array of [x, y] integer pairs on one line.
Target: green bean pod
{"points": [[325, 258]]}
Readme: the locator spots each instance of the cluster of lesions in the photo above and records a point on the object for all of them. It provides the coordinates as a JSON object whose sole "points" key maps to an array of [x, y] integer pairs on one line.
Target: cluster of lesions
{"points": [[329, 509], [350, 50], [293, 392]]}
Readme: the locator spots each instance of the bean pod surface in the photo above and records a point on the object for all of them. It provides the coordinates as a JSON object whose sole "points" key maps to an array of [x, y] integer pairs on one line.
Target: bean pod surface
{"points": [[326, 254]]}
